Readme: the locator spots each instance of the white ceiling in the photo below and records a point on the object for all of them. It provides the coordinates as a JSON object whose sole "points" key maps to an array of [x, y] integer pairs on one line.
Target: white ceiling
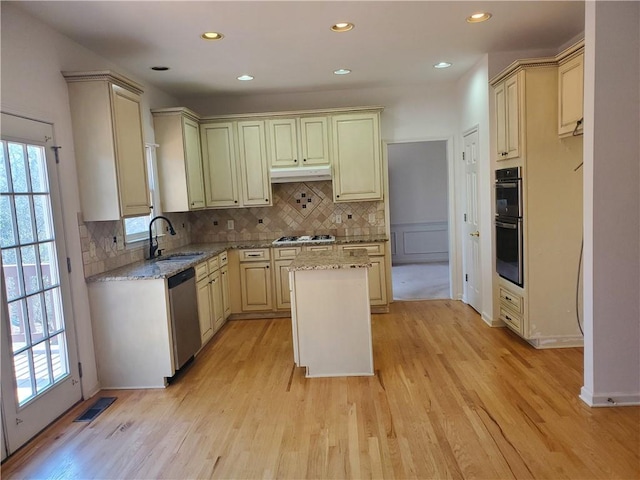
{"points": [[289, 47]]}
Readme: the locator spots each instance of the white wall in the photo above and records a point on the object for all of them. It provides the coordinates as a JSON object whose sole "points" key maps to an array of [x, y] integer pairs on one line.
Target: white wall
{"points": [[473, 107], [612, 203], [33, 55]]}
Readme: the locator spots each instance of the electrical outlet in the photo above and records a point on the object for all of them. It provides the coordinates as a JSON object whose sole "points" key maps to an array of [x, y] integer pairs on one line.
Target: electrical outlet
{"points": [[372, 218], [230, 225], [338, 218]]}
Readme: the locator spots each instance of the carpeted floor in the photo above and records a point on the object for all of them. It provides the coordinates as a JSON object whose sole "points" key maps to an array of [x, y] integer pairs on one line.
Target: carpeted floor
{"points": [[421, 281]]}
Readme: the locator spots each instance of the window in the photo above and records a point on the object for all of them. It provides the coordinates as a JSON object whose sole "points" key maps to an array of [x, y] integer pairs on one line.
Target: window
{"points": [[136, 229]]}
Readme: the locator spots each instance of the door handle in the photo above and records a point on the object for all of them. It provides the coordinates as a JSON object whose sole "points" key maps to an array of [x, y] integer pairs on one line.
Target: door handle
{"points": [[475, 234]]}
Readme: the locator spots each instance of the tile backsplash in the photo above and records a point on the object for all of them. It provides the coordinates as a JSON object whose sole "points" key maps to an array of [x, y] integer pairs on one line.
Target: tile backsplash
{"points": [[103, 246], [298, 209]]}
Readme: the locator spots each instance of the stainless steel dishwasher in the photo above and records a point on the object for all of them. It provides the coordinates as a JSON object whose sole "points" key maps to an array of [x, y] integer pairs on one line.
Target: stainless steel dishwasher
{"points": [[185, 326]]}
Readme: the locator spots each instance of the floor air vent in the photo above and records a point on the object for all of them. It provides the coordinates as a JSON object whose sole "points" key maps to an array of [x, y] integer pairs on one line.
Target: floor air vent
{"points": [[96, 409]]}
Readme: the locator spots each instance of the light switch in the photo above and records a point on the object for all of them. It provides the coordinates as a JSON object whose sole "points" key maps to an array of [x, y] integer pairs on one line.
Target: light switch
{"points": [[338, 218]]}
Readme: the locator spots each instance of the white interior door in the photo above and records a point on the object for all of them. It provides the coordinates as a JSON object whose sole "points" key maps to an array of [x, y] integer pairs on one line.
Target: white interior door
{"points": [[40, 377], [471, 235]]}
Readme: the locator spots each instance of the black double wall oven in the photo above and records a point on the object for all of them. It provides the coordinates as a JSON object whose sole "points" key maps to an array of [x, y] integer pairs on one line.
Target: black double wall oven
{"points": [[508, 222]]}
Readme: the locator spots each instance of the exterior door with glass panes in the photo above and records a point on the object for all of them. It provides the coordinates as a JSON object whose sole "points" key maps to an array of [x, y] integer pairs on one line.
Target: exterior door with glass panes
{"points": [[40, 378]]}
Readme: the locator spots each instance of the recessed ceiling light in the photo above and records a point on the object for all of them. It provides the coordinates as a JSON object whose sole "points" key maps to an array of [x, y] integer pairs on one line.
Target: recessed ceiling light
{"points": [[342, 71], [160, 68], [342, 27], [442, 65], [245, 78], [479, 17], [212, 36]]}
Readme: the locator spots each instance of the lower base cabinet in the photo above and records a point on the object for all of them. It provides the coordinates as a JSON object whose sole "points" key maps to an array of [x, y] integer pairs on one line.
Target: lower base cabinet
{"points": [[213, 295], [377, 273]]}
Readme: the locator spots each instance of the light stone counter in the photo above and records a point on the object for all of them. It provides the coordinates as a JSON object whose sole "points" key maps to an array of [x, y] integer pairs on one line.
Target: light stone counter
{"points": [[330, 260], [154, 269]]}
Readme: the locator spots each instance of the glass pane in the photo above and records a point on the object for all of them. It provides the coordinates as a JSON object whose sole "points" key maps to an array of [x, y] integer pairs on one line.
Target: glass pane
{"points": [[49, 265], [30, 272], [37, 169], [18, 167], [7, 232], [41, 366], [17, 318], [4, 174], [13, 285], [58, 347], [22, 367], [42, 211], [136, 225], [35, 307], [53, 304], [23, 215]]}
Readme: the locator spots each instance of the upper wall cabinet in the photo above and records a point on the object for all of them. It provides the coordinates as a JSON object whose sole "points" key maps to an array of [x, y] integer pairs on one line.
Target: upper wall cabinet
{"points": [[219, 159], [179, 160], [508, 107], [570, 94], [298, 141], [357, 163], [109, 147], [254, 170], [235, 164]]}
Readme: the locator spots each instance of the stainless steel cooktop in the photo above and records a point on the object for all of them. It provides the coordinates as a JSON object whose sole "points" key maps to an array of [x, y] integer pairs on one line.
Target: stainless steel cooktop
{"points": [[297, 239]]}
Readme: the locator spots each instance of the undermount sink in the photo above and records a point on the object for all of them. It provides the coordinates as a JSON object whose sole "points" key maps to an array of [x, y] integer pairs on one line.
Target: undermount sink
{"points": [[179, 257]]}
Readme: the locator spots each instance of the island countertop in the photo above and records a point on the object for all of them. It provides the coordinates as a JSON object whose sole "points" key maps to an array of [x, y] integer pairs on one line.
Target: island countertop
{"points": [[330, 260]]}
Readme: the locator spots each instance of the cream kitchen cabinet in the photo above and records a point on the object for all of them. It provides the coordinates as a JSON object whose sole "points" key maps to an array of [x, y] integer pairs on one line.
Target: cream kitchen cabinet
{"points": [[298, 141], [226, 292], [508, 110], [543, 309], [109, 145], [204, 302], [255, 280], [211, 296], [180, 169], [571, 94], [356, 158], [254, 170], [377, 274], [283, 256], [236, 170], [220, 165]]}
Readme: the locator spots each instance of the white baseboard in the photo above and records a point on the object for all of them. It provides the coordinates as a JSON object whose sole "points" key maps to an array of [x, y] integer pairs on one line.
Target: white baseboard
{"points": [[490, 321], [569, 341], [609, 400]]}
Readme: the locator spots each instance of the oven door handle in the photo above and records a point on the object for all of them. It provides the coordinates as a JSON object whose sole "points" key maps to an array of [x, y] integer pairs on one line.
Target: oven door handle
{"points": [[507, 185], [512, 226]]}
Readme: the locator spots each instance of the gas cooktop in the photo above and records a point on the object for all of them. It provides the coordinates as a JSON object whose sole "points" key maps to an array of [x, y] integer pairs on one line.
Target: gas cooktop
{"points": [[305, 239]]}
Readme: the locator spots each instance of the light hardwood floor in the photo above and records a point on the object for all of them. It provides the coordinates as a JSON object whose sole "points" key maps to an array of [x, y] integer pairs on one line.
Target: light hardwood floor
{"points": [[451, 398]]}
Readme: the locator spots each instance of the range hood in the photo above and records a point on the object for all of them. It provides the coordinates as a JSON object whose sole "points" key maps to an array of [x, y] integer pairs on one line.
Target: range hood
{"points": [[300, 174]]}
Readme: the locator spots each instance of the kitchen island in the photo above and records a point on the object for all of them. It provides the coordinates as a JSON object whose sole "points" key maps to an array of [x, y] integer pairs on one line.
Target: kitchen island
{"points": [[330, 313]]}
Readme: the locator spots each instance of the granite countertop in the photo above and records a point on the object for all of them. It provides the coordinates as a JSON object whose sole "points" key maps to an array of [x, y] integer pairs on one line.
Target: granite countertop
{"points": [[330, 260], [200, 252]]}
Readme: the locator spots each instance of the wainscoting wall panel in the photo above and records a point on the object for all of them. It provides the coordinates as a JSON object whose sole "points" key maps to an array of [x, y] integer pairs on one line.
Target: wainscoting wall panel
{"points": [[419, 242]]}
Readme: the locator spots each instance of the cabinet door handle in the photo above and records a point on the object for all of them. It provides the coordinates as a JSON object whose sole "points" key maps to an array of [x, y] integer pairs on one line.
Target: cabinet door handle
{"points": [[267, 266], [235, 201], [295, 160], [304, 159], [266, 199], [337, 196]]}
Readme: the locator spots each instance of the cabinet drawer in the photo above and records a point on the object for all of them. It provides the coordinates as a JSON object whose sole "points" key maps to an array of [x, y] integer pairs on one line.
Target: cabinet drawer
{"points": [[286, 252], [511, 319], [201, 271], [254, 255], [511, 300], [214, 264], [372, 249], [318, 248], [223, 259]]}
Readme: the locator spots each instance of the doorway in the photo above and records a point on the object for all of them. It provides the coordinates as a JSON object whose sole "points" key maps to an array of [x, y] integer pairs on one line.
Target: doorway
{"points": [[419, 220], [40, 377]]}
